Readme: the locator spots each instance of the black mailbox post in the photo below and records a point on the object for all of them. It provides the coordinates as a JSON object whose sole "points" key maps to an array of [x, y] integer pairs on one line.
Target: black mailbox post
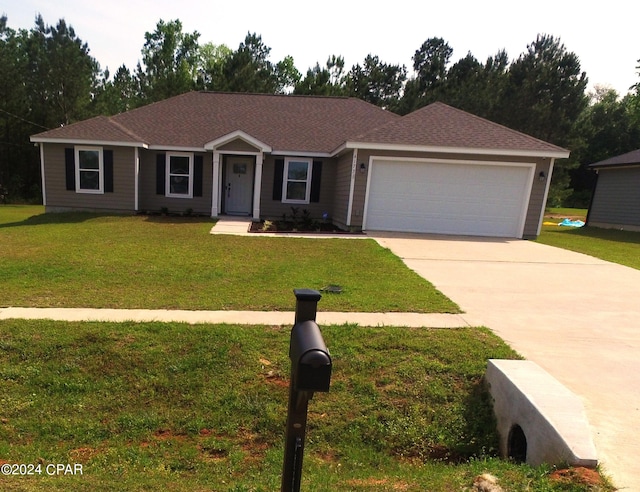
{"points": [[310, 372]]}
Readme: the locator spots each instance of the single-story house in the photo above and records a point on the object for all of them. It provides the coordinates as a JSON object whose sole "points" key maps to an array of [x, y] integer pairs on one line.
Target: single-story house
{"points": [[437, 170], [616, 198]]}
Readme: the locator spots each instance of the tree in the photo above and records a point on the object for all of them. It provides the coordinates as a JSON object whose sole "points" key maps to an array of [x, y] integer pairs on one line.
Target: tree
{"points": [[476, 87], [211, 65], [171, 62], [430, 69], [325, 81], [118, 95], [377, 82], [248, 69], [61, 74], [545, 92], [544, 97]]}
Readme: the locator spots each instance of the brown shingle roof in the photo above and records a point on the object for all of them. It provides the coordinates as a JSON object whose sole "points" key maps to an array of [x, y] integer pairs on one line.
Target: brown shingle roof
{"points": [[440, 125], [285, 123], [630, 158], [296, 123]]}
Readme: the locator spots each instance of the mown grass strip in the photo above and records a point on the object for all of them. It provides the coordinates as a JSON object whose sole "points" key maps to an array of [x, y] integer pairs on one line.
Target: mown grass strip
{"points": [[89, 260], [178, 407]]}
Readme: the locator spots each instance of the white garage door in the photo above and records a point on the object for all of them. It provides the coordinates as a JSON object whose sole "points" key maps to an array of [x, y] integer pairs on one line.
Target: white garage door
{"points": [[466, 198]]}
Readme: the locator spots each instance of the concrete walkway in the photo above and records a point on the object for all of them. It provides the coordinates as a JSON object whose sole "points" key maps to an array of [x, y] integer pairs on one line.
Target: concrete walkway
{"points": [[576, 316], [415, 320]]}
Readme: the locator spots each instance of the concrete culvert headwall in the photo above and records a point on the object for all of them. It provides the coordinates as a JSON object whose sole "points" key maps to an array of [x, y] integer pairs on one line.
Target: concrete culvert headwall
{"points": [[539, 420]]}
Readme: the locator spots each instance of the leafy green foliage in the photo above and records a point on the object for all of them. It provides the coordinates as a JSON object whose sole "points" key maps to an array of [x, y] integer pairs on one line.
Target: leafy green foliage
{"points": [[170, 59]]}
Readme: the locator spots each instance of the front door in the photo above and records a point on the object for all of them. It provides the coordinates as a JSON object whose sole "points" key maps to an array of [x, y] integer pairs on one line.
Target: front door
{"points": [[238, 185]]}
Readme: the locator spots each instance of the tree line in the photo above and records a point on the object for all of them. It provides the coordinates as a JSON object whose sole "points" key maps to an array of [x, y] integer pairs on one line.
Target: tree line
{"points": [[49, 79]]}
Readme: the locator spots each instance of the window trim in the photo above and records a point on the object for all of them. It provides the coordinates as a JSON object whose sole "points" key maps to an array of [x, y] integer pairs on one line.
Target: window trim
{"points": [[168, 175], [285, 180], [78, 171]]}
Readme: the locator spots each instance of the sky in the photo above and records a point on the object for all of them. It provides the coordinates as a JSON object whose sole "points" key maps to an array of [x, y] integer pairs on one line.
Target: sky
{"points": [[602, 34]]}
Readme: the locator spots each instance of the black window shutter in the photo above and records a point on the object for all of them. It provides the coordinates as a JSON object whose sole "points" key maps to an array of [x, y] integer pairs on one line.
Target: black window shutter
{"points": [[197, 175], [70, 168], [316, 178], [108, 171], [278, 175], [160, 176]]}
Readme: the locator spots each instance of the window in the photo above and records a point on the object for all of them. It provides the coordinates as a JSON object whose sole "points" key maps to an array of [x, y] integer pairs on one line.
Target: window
{"points": [[89, 172], [297, 180], [179, 175]]}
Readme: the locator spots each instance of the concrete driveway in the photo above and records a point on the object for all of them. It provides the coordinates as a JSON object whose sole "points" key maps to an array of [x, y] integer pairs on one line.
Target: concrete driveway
{"points": [[576, 316]]}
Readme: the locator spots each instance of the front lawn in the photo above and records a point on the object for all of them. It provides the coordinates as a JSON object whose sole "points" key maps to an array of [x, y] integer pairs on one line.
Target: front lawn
{"points": [[102, 261], [183, 408], [613, 245]]}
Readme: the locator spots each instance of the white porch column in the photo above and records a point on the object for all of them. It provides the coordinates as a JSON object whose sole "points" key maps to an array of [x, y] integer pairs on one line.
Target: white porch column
{"points": [[44, 186], [136, 180], [257, 187], [352, 186], [215, 186]]}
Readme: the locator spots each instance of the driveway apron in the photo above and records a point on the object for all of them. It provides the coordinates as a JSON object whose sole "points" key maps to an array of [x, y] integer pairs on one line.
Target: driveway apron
{"points": [[576, 316]]}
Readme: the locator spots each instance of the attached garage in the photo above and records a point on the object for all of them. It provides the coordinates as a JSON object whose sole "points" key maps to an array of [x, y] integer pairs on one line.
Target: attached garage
{"points": [[443, 196]]}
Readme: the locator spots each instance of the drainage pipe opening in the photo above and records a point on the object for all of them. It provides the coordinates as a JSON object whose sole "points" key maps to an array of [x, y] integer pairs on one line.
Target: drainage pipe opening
{"points": [[517, 444]]}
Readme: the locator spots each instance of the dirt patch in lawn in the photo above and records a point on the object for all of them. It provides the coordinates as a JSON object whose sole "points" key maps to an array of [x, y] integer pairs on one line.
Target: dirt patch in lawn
{"points": [[580, 475]]}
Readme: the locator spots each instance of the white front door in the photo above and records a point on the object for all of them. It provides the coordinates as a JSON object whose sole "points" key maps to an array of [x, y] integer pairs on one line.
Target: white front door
{"points": [[238, 185]]}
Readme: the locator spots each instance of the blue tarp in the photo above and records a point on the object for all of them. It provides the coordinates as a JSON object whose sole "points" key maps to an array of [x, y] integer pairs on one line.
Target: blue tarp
{"points": [[571, 223]]}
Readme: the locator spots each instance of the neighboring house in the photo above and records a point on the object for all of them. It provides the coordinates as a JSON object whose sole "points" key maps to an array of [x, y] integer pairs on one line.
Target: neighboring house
{"points": [[616, 197], [437, 170]]}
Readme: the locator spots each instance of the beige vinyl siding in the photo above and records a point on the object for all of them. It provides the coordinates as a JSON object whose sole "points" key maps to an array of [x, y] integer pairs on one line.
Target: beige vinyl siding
{"points": [[122, 199], [616, 202], [152, 202], [341, 190], [238, 145], [536, 205], [274, 209]]}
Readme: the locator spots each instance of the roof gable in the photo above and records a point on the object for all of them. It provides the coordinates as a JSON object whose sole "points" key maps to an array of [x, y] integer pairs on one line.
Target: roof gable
{"points": [[101, 129], [439, 126]]}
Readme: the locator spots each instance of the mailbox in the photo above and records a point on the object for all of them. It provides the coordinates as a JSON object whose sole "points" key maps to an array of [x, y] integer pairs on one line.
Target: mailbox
{"points": [[310, 372], [310, 359]]}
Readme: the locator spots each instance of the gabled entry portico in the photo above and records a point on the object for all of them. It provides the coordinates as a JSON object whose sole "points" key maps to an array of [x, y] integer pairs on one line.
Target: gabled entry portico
{"points": [[237, 174]]}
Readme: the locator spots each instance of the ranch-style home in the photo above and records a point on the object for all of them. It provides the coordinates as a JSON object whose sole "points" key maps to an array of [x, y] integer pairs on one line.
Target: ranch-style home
{"points": [[436, 170]]}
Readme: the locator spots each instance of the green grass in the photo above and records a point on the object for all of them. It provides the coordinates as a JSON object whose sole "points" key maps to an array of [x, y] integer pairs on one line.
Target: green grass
{"points": [[101, 261], [613, 245], [183, 408], [567, 212]]}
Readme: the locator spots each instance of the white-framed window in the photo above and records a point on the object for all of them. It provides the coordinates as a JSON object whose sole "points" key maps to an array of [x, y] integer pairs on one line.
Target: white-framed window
{"points": [[89, 169], [296, 185], [179, 177]]}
